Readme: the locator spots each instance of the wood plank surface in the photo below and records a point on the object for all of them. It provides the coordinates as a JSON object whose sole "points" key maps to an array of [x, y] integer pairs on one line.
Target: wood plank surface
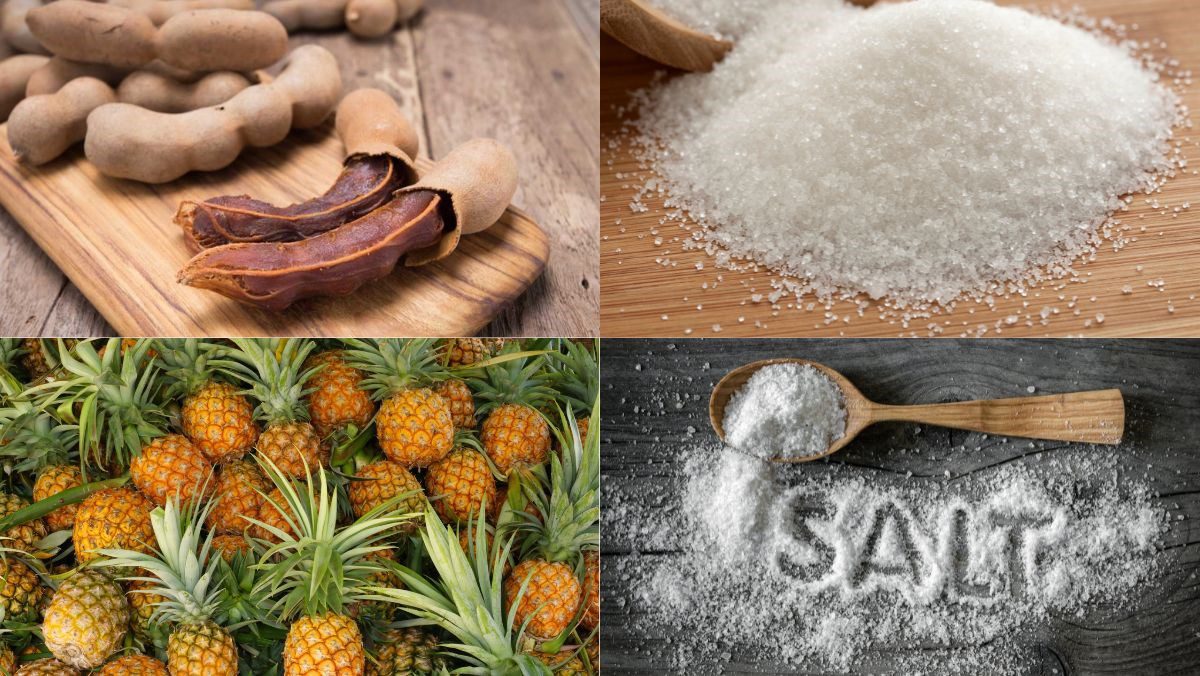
{"points": [[465, 302], [644, 298], [645, 430]]}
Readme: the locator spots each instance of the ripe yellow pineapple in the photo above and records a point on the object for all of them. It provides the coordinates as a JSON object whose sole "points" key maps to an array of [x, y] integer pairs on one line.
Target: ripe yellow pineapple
{"points": [[551, 599], [171, 466], [382, 481], [591, 590], [8, 659], [236, 495], [23, 536], [514, 433], [142, 602], [47, 667], [134, 665], [54, 480], [336, 399], [201, 648], [86, 619], [462, 403], [459, 483], [229, 546], [324, 644], [405, 652], [21, 590], [457, 352], [564, 663], [216, 416], [114, 518], [274, 371], [270, 514]]}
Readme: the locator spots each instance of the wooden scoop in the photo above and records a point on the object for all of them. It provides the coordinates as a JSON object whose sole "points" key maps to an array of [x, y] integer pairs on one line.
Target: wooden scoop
{"points": [[1095, 417], [652, 33]]}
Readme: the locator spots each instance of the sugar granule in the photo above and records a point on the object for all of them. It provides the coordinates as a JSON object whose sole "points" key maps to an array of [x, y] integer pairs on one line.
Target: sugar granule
{"points": [[915, 152], [785, 409]]}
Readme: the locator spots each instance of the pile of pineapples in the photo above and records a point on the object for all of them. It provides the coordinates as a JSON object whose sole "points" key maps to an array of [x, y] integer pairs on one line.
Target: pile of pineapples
{"points": [[294, 506]]}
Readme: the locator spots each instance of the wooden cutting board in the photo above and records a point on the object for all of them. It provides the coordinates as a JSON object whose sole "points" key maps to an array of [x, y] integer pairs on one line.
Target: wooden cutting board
{"points": [[116, 240], [644, 298]]}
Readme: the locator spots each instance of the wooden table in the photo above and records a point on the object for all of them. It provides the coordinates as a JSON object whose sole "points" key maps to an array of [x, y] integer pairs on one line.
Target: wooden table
{"points": [[644, 433], [524, 72], [644, 298]]}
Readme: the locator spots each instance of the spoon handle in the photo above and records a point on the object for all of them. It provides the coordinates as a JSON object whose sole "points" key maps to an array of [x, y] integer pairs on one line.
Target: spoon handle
{"points": [[1096, 417]]}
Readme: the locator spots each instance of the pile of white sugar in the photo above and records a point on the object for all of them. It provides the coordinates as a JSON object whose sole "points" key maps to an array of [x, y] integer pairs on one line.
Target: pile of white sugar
{"points": [[787, 410], [820, 565], [916, 152]]}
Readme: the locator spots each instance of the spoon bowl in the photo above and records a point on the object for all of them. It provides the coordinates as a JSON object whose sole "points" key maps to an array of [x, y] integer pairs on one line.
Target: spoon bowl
{"points": [[1096, 417], [650, 32]]}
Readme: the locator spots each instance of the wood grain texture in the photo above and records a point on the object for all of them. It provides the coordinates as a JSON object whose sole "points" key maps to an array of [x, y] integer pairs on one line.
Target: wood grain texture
{"points": [[658, 36], [655, 396], [484, 274], [644, 298]]}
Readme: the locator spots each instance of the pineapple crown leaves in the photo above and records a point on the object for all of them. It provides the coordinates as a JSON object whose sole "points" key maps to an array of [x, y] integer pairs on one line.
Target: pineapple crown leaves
{"points": [[37, 440], [112, 397], [395, 364], [10, 350], [273, 371], [576, 372], [513, 377], [322, 567], [187, 363], [182, 570], [466, 601]]}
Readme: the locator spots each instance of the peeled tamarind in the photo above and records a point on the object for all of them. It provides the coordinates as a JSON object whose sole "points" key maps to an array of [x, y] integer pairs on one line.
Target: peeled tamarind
{"points": [[15, 29], [128, 141], [165, 95], [42, 127], [199, 40], [15, 72], [159, 11]]}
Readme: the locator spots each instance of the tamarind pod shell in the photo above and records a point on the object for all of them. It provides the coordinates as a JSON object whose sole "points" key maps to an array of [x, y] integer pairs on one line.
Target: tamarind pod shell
{"points": [[335, 263], [313, 82], [162, 94], [159, 11], [407, 9], [370, 122], [371, 19], [16, 31], [366, 183], [94, 33], [58, 71], [42, 127], [479, 178], [222, 39], [15, 74], [308, 14]]}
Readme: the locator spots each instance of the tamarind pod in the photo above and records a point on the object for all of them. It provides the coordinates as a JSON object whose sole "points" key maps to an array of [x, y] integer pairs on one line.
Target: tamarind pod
{"points": [[407, 9], [307, 14], [16, 31], [159, 11], [15, 72], [371, 18], [370, 122], [197, 40], [335, 263], [42, 127], [59, 71], [162, 94], [127, 141], [478, 179], [366, 183]]}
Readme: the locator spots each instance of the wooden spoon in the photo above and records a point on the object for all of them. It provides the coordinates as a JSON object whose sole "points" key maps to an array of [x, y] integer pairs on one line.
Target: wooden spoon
{"points": [[652, 33], [1095, 417]]}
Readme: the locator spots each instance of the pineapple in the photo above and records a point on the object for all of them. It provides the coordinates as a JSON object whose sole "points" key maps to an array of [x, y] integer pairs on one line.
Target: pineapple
{"points": [[273, 515], [313, 592], [216, 417], [382, 481], [237, 495], [462, 402], [37, 358], [143, 600], [8, 660], [182, 569], [414, 425], [336, 399], [375, 612], [47, 667], [544, 589], [86, 619], [564, 663], [459, 483], [21, 590], [171, 466], [406, 652], [457, 352], [113, 518], [230, 546], [514, 433], [24, 536], [134, 665], [591, 590], [54, 480], [273, 370], [39, 443]]}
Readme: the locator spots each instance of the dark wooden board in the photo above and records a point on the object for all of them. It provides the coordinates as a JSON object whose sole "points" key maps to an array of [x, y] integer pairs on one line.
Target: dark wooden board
{"points": [[643, 434]]}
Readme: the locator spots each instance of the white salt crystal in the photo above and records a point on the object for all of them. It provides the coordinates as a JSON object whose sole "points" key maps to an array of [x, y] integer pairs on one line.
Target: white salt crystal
{"points": [[785, 409]]}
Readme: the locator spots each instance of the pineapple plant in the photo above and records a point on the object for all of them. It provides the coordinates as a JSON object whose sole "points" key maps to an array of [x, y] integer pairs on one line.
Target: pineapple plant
{"points": [[409, 651], [564, 663], [215, 415], [237, 496], [21, 590], [322, 569], [134, 665], [459, 483], [544, 588], [86, 620], [413, 426], [171, 466], [8, 660], [113, 518], [274, 517], [180, 571], [337, 399], [456, 352], [38, 358], [385, 482], [274, 372], [514, 433], [47, 667], [462, 402]]}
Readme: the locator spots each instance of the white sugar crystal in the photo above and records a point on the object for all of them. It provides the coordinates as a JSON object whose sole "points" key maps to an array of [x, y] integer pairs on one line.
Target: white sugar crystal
{"points": [[785, 409]]}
